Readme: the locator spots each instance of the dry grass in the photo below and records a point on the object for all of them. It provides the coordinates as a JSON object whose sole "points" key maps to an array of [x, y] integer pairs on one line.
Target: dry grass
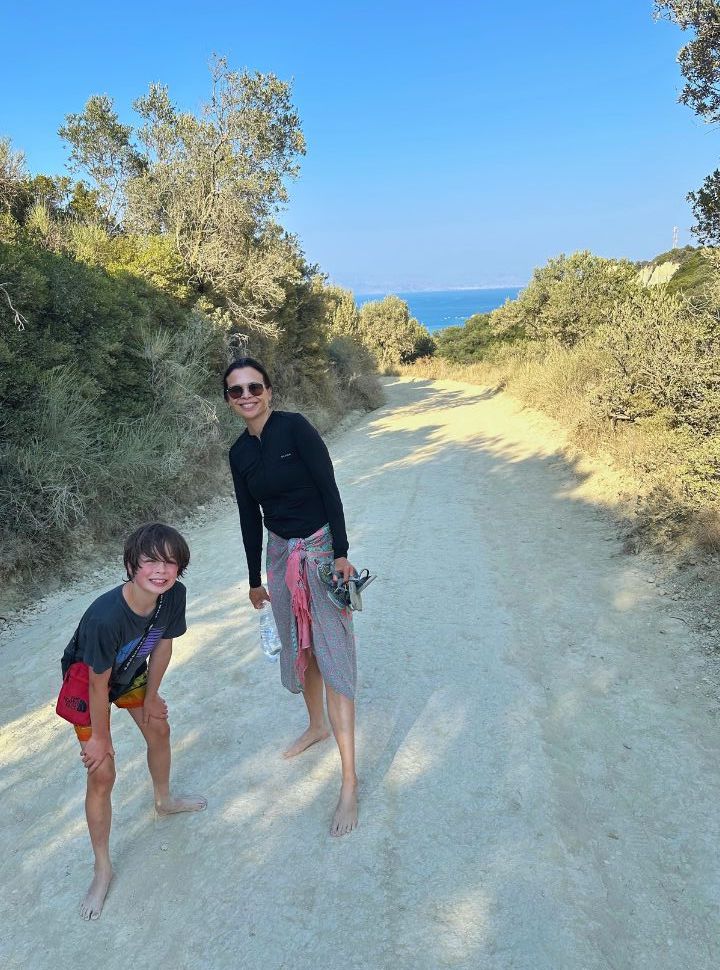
{"points": [[661, 465], [81, 478]]}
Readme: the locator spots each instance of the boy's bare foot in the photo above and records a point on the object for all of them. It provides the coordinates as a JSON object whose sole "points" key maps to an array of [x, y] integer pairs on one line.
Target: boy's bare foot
{"points": [[307, 738], [181, 803], [346, 813], [91, 906]]}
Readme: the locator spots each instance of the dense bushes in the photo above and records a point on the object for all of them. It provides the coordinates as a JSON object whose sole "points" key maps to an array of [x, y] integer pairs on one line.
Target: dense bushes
{"points": [[123, 299], [566, 300], [629, 369], [383, 327], [356, 378], [386, 328], [82, 315], [105, 405], [662, 358], [111, 405], [469, 342]]}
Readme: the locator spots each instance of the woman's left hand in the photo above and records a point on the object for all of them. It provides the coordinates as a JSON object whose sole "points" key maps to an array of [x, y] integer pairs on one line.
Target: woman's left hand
{"points": [[344, 569]]}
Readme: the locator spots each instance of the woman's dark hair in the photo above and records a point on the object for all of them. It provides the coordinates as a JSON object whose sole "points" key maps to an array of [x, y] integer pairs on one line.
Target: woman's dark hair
{"points": [[246, 362], [155, 540]]}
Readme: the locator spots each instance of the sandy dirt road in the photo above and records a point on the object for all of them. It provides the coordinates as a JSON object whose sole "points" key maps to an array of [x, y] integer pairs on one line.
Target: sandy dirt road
{"points": [[538, 754]]}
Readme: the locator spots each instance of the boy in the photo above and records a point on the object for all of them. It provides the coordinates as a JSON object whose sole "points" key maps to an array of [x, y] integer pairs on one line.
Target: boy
{"points": [[148, 609]]}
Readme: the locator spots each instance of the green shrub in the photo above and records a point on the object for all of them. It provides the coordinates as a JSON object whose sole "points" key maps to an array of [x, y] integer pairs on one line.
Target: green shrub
{"points": [[391, 334], [566, 300], [663, 358], [342, 317], [696, 272], [79, 472], [355, 377], [466, 343]]}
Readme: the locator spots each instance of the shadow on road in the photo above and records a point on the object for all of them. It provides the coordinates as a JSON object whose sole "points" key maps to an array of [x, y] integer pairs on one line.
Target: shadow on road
{"points": [[517, 811]]}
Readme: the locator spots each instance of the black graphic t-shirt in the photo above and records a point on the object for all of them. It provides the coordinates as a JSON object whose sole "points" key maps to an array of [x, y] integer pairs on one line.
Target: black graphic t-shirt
{"points": [[109, 631]]}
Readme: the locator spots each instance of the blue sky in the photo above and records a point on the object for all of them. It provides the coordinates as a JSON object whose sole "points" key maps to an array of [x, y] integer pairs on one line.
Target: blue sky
{"points": [[449, 145]]}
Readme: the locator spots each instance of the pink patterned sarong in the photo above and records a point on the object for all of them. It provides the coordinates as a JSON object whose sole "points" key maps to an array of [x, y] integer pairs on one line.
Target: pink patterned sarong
{"points": [[306, 619], [296, 582]]}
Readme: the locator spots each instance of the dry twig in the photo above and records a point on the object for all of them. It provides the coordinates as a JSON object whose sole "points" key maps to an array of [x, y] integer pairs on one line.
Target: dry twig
{"points": [[20, 320]]}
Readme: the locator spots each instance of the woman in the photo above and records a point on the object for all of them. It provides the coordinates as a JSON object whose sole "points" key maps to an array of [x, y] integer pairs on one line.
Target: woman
{"points": [[280, 465]]}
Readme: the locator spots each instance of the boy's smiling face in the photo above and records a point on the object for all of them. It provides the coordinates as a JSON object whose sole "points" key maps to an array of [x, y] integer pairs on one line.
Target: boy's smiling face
{"points": [[155, 575]]}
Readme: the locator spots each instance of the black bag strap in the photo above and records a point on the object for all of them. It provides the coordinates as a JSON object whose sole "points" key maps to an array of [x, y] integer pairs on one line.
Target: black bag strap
{"points": [[128, 661]]}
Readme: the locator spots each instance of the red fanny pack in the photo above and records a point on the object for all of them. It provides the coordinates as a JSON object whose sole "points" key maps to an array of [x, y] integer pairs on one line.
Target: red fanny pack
{"points": [[73, 701]]}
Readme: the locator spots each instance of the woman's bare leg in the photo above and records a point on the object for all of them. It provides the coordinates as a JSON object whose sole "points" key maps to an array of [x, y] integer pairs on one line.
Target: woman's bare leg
{"points": [[317, 729], [341, 711]]}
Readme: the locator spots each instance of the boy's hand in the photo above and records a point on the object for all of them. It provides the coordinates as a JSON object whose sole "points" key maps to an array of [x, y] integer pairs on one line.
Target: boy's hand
{"points": [[95, 752], [154, 707]]}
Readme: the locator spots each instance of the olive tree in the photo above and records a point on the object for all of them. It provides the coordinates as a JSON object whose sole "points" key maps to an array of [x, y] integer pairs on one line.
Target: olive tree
{"points": [[102, 147], [699, 62], [210, 181]]}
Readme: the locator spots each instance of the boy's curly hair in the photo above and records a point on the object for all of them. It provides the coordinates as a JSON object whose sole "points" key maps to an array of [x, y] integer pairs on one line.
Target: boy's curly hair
{"points": [[155, 540]]}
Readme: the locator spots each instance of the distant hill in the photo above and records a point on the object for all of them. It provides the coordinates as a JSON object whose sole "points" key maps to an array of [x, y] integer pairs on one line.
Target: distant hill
{"points": [[685, 270]]}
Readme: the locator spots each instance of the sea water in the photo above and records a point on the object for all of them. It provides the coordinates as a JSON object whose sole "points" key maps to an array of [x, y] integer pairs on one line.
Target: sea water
{"points": [[436, 309]]}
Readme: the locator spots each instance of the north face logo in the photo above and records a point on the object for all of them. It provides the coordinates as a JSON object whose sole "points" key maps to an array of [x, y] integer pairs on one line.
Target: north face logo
{"points": [[76, 704]]}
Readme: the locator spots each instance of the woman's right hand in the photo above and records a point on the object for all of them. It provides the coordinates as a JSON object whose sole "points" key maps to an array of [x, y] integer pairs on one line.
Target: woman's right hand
{"points": [[258, 596]]}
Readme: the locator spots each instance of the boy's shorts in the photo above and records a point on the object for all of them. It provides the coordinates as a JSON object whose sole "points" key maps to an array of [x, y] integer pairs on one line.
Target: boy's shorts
{"points": [[134, 696]]}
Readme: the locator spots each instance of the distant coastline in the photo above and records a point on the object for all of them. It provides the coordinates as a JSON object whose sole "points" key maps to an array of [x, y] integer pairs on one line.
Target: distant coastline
{"points": [[448, 289], [437, 309]]}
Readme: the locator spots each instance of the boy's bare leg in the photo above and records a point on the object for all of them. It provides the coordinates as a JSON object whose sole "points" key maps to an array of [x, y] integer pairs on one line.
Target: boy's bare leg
{"points": [[317, 729], [341, 711], [157, 736], [98, 811]]}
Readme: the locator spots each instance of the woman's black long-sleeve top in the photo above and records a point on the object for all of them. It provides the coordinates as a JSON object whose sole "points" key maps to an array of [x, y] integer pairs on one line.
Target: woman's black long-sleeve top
{"points": [[288, 473]]}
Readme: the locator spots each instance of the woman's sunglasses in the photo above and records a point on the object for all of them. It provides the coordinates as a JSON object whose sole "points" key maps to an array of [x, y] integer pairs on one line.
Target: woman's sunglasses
{"points": [[254, 389]]}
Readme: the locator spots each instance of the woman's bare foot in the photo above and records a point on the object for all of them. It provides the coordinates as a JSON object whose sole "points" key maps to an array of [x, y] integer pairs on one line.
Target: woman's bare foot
{"points": [[91, 906], [346, 813], [181, 803], [307, 738]]}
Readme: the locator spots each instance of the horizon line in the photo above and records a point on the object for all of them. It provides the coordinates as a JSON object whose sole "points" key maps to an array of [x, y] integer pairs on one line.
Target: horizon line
{"points": [[444, 289]]}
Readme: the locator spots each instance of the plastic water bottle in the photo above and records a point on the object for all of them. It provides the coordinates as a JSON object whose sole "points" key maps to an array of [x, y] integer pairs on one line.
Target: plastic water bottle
{"points": [[269, 636]]}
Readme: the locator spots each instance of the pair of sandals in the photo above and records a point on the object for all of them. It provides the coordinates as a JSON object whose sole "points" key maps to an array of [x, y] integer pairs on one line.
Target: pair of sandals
{"points": [[344, 595]]}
